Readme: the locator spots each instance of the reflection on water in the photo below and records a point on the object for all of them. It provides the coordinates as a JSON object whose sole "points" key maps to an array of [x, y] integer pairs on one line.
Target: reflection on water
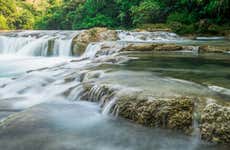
{"points": [[203, 69]]}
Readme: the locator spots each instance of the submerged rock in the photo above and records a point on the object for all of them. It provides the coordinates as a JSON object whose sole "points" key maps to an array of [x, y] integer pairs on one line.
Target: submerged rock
{"points": [[215, 124]]}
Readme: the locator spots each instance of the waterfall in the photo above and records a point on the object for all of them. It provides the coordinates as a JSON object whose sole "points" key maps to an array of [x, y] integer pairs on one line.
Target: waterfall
{"points": [[76, 93], [37, 43], [10, 45], [62, 47], [107, 108], [59, 43], [38, 47]]}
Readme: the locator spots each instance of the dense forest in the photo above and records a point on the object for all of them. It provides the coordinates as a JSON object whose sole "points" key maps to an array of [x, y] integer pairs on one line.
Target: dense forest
{"points": [[182, 16]]}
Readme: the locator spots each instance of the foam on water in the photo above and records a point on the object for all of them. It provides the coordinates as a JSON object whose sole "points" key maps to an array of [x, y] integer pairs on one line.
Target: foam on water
{"points": [[219, 89]]}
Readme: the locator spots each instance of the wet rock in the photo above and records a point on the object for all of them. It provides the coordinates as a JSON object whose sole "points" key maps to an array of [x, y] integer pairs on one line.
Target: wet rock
{"points": [[172, 113], [97, 93], [139, 47], [168, 47], [79, 48], [81, 41], [109, 48], [92, 75], [112, 59], [213, 49], [96, 35], [215, 124], [151, 47]]}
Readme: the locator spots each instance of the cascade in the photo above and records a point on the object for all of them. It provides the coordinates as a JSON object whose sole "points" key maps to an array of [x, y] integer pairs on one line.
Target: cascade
{"points": [[59, 43], [91, 50], [38, 43], [108, 106], [158, 36]]}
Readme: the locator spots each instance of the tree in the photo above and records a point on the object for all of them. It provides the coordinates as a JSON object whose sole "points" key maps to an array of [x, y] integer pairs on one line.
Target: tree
{"points": [[3, 23], [147, 12]]}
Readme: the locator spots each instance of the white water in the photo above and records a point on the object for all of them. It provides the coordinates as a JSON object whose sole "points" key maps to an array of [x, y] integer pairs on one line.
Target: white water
{"points": [[91, 50], [219, 89], [108, 107], [59, 43], [38, 86], [158, 36], [37, 43]]}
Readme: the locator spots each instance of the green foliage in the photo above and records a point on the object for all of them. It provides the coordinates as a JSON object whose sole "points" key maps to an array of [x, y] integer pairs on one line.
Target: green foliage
{"points": [[183, 16], [16, 14], [124, 11], [148, 11], [24, 20], [3, 23], [95, 13], [99, 20]]}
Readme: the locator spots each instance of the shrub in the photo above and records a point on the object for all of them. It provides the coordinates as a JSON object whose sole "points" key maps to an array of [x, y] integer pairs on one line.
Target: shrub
{"points": [[182, 28], [182, 17]]}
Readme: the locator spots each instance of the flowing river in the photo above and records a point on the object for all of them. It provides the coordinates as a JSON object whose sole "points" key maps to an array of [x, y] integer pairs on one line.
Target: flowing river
{"points": [[42, 102]]}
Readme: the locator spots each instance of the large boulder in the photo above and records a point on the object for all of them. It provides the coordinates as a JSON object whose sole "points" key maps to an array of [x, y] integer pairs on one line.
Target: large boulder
{"points": [[96, 35], [81, 41], [215, 124]]}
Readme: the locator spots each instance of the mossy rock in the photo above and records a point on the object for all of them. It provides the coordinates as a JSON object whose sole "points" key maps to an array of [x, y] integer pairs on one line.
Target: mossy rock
{"points": [[173, 113], [168, 47], [213, 49], [215, 124]]}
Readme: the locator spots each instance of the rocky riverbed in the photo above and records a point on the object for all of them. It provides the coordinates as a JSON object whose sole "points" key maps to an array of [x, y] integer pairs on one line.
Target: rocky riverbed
{"points": [[116, 80]]}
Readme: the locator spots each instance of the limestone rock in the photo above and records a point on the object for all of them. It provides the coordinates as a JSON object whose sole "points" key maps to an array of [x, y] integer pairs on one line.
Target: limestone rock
{"points": [[151, 47], [213, 49], [81, 41], [215, 124], [139, 47], [173, 113], [168, 47]]}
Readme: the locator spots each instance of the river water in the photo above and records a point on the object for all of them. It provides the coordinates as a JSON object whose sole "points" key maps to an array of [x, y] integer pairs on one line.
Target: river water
{"points": [[40, 107]]}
